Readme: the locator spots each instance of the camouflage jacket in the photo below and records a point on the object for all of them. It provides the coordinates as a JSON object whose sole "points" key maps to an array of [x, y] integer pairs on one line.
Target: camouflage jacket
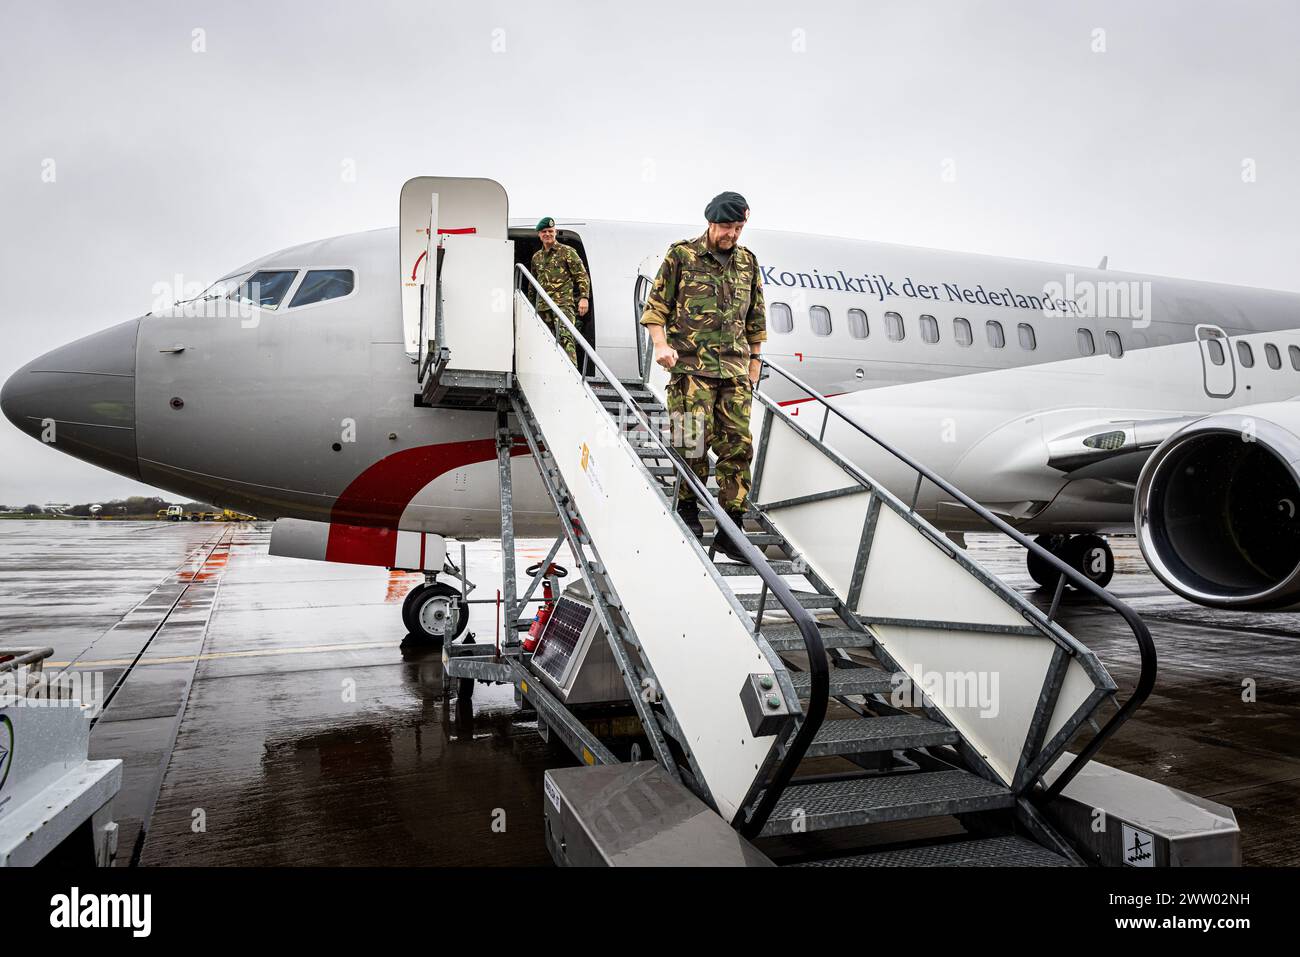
{"points": [[711, 313], [559, 272]]}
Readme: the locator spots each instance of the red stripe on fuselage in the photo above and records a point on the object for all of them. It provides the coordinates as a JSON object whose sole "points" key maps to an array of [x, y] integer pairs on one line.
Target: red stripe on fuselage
{"points": [[364, 519]]}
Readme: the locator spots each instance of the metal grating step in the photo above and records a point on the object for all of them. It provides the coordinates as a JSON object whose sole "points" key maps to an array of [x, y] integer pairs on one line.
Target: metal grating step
{"points": [[639, 393], [730, 569], [897, 797], [757, 538], [788, 638], [844, 681], [805, 598], [615, 404], [1009, 851], [895, 732]]}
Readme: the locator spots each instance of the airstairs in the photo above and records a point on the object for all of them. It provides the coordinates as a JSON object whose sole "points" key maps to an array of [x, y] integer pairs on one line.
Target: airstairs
{"points": [[861, 671]]}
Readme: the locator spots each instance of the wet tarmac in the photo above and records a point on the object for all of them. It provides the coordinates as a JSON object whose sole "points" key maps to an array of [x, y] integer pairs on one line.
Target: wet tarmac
{"points": [[269, 712]]}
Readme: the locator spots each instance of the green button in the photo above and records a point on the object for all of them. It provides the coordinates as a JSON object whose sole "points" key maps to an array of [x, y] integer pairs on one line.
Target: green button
{"points": [[773, 701], [766, 682]]}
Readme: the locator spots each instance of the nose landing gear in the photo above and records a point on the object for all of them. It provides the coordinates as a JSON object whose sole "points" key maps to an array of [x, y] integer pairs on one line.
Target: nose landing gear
{"points": [[1090, 555], [433, 612]]}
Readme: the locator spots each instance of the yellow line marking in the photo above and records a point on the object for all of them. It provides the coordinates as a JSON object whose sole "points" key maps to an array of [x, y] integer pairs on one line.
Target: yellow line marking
{"points": [[212, 656]]}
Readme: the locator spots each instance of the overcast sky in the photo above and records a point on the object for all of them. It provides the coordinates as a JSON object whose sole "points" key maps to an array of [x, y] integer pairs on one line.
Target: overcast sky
{"points": [[1072, 130]]}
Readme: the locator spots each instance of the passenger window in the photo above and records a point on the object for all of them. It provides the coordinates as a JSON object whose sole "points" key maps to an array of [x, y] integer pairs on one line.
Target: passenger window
{"points": [[1215, 350], [321, 284], [961, 332], [1272, 355], [781, 317], [266, 288], [1115, 346], [929, 329], [1087, 347], [1294, 353], [1027, 338], [997, 338], [858, 324], [894, 326], [1245, 354], [821, 320]]}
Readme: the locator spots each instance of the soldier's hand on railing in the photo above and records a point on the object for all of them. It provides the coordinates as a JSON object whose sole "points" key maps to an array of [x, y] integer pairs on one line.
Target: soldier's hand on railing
{"points": [[665, 355]]}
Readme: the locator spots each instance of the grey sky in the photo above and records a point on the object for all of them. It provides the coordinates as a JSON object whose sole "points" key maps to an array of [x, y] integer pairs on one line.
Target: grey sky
{"points": [[172, 162]]}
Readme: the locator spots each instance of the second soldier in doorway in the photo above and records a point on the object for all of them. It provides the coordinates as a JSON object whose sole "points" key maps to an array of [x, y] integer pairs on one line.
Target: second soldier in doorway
{"points": [[559, 270], [707, 320]]}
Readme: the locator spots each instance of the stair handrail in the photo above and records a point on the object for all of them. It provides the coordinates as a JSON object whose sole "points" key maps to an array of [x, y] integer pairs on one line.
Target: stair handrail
{"points": [[818, 668], [1142, 634]]}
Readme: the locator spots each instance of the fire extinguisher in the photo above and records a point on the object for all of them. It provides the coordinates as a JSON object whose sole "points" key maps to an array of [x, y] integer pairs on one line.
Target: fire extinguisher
{"points": [[544, 610]]}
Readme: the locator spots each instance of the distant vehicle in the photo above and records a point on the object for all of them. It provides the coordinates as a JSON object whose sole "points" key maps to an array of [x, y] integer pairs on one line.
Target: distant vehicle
{"points": [[95, 510], [172, 513]]}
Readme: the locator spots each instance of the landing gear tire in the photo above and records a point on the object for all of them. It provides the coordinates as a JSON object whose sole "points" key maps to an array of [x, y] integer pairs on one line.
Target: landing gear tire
{"points": [[406, 605], [1090, 555], [427, 613], [1040, 571]]}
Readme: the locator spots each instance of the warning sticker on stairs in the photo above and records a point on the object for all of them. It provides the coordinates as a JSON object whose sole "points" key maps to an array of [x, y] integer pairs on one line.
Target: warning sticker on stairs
{"points": [[589, 469], [1139, 848]]}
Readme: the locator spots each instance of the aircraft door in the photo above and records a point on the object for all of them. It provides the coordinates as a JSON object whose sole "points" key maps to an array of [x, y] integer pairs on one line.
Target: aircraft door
{"points": [[645, 280], [1218, 369]]}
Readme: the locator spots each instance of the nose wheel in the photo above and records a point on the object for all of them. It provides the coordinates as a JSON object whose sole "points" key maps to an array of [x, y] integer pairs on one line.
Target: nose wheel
{"points": [[1089, 555], [433, 612]]}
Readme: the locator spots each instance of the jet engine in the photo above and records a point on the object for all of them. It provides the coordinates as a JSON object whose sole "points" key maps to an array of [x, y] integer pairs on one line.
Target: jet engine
{"points": [[1217, 508]]}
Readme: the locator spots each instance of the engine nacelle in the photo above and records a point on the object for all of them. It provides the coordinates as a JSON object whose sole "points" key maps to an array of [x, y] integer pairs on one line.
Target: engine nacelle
{"points": [[1217, 508]]}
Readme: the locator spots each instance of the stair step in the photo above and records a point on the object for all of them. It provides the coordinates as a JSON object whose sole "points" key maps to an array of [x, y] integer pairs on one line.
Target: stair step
{"points": [[614, 404], [757, 538], [806, 599], [894, 732], [845, 681], [730, 569], [638, 393], [788, 638], [1009, 851], [896, 797]]}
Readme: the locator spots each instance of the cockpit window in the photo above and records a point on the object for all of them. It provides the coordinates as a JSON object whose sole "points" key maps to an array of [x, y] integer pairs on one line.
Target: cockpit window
{"points": [[222, 287], [321, 284], [267, 287]]}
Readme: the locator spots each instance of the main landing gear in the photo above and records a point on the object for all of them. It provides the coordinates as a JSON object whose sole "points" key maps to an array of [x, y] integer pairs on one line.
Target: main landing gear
{"points": [[1090, 555]]}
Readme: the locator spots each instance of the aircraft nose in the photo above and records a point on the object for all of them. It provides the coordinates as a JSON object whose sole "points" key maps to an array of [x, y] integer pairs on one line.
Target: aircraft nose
{"points": [[80, 398]]}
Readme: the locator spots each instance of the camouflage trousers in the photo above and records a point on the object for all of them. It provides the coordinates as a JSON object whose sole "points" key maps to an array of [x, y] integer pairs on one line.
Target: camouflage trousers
{"points": [[562, 334], [708, 412]]}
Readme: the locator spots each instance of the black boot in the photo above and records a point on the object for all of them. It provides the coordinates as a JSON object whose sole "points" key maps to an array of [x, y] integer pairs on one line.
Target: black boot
{"points": [[728, 545], [689, 510]]}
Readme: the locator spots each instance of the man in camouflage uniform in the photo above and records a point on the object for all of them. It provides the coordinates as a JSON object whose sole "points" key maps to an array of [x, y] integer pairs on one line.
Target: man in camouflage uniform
{"points": [[559, 270], [707, 320]]}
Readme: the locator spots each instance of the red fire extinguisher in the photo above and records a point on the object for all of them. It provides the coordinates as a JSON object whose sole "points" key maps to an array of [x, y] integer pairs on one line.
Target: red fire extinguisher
{"points": [[548, 603]]}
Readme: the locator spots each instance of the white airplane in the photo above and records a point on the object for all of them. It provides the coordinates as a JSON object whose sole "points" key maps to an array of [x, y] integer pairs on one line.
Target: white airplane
{"points": [[1058, 397]]}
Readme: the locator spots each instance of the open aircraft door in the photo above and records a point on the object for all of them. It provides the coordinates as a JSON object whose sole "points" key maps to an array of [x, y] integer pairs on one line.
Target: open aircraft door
{"points": [[454, 249], [1220, 373]]}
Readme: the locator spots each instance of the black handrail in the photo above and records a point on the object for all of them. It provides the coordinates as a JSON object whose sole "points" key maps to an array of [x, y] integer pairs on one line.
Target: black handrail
{"points": [[1146, 647], [819, 670]]}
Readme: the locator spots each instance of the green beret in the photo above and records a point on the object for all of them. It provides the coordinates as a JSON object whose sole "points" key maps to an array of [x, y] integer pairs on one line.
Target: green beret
{"points": [[545, 223], [726, 207]]}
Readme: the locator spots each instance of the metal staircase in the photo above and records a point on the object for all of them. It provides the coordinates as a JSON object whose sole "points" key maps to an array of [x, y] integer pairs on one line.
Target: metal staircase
{"points": [[783, 723]]}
